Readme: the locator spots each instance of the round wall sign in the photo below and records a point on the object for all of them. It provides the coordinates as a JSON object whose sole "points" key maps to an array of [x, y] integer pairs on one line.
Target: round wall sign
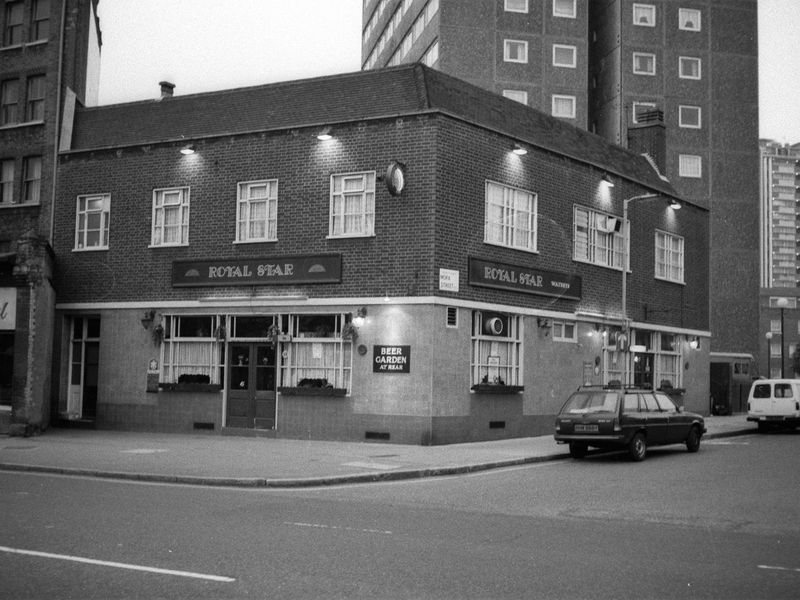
{"points": [[395, 178]]}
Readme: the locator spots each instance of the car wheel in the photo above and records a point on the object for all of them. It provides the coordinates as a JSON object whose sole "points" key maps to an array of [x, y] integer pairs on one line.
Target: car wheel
{"points": [[638, 447], [693, 440], [762, 427], [577, 449]]}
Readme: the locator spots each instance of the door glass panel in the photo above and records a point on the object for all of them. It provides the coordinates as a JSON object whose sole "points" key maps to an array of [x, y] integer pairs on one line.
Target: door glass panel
{"points": [[265, 369], [240, 367], [92, 328]]}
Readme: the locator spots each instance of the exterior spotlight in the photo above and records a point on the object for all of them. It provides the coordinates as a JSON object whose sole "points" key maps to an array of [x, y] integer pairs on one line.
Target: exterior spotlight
{"points": [[189, 149], [519, 150], [608, 181], [325, 134], [360, 318], [675, 205]]}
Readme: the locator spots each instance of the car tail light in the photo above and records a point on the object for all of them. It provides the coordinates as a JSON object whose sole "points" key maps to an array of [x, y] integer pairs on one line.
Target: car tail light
{"points": [[797, 405]]}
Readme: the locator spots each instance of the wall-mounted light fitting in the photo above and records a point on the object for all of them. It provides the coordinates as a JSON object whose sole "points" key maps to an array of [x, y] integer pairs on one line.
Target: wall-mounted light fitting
{"points": [[147, 318], [675, 205], [188, 149], [325, 134], [608, 181], [519, 150], [694, 342], [361, 316]]}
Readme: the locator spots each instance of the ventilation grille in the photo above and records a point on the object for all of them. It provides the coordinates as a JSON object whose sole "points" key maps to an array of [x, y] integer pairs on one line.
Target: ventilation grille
{"points": [[452, 316], [377, 435]]}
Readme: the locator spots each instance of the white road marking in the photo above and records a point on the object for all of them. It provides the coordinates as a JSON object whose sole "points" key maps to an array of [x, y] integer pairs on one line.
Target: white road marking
{"points": [[144, 451], [117, 565], [773, 568], [323, 526]]}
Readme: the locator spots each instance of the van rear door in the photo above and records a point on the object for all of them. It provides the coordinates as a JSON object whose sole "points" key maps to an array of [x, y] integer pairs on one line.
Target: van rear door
{"points": [[783, 399]]}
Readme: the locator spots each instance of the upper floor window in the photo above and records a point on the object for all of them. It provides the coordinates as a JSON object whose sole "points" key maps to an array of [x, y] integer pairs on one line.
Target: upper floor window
{"points": [[31, 179], [515, 51], [6, 182], [431, 56], [669, 257], [690, 165], [510, 218], [564, 56], [12, 33], [689, 117], [9, 101], [564, 8], [170, 217], [91, 222], [563, 106], [518, 95], [689, 19], [40, 20], [641, 109], [257, 211], [598, 238], [352, 206], [644, 14], [520, 6], [34, 107], [689, 67], [644, 63]]}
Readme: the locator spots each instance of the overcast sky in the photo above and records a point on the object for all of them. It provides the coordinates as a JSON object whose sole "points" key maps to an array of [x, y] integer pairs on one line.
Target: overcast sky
{"points": [[204, 45]]}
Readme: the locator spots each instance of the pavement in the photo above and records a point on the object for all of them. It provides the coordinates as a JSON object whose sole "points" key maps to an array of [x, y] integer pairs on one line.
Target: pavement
{"points": [[221, 460]]}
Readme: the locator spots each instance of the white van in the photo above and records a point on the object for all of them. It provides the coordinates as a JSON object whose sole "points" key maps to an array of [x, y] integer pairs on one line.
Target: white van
{"points": [[774, 402]]}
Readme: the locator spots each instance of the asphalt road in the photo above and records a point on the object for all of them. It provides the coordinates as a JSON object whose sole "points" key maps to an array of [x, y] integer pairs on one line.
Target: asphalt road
{"points": [[722, 523]]}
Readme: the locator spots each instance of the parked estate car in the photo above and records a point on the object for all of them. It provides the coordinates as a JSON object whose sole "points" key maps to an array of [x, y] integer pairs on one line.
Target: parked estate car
{"points": [[625, 418], [774, 403]]}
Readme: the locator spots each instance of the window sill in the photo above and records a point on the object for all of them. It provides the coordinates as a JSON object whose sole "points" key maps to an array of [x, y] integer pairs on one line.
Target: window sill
{"points": [[312, 391], [190, 387], [9, 126], [20, 205], [492, 388], [167, 246], [93, 249]]}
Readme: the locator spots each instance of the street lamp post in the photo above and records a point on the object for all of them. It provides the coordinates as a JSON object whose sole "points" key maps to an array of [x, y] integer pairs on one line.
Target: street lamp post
{"points": [[782, 304], [768, 335], [625, 242]]}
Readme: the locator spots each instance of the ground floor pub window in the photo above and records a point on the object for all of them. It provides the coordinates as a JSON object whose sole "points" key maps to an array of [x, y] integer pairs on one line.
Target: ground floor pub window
{"points": [[496, 349], [192, 350], [318, 355]]}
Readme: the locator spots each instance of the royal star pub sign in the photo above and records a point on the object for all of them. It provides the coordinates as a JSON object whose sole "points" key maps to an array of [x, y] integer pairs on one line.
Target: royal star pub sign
{"points": [[528, 280], [273, 270]]}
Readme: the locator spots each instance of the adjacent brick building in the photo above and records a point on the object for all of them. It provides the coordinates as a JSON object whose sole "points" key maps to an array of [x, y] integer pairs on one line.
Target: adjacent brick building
{"points": [[49, 57], [443, 266]]}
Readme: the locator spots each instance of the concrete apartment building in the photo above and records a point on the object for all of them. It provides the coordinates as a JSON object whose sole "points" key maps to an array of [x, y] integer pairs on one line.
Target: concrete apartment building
{"points": [[625, 70], [49, 58], [780, 257]]}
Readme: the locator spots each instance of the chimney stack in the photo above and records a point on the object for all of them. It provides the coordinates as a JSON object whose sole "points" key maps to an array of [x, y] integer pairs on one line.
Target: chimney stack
{"points": [[648, 136], [166, 89]]}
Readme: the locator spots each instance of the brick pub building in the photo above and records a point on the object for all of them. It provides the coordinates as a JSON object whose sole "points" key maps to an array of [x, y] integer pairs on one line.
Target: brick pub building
{"points": [[363, 256]]}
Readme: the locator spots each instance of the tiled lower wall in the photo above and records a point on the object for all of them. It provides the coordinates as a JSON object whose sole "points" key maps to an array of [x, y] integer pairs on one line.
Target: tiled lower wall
{"points": [[172, 413]]}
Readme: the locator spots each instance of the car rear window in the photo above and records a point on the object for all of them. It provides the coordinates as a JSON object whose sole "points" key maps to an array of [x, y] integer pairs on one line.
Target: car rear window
{"points": [[761, 390], [591, 402]]}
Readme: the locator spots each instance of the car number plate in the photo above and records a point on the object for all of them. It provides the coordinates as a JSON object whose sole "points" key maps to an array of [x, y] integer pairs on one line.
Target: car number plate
{"points": [[582, 428]]}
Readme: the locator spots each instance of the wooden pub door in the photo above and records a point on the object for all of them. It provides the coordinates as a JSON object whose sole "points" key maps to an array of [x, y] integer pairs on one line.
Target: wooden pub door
{"points": [[251, 386]]}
